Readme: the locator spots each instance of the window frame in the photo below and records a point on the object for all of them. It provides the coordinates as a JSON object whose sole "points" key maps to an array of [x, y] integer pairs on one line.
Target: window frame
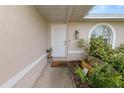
{"points": [[112, 32]]}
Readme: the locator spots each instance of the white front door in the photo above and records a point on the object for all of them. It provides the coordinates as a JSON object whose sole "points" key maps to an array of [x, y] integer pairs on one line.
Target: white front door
{"points": [[59, 36]]}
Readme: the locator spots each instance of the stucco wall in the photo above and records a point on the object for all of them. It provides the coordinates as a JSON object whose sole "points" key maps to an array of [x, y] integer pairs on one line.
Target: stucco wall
{"points": [[84, 29], [22, 41]]}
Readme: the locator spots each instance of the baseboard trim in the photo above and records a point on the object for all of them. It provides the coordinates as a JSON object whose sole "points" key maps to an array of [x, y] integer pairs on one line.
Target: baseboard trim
{"points": [[11, 82]]}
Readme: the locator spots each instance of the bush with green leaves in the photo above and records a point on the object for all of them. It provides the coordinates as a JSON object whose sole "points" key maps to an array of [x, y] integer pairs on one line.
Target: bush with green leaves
{"points": [[111, 72], [100, 49], [117, 60], [105, 76], [84, 46]]}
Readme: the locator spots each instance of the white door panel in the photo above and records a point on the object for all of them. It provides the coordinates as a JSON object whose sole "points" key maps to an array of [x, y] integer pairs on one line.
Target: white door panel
{"points": [[58, 40]]}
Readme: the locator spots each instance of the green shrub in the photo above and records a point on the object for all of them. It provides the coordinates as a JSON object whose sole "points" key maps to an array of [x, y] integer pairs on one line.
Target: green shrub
{"points": [[117, 60], [111, 72], [100, 49], [105, 76], [84, 46]]}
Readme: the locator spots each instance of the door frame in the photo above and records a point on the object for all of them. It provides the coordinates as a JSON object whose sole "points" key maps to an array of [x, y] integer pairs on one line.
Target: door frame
{"points": [[66, 48]]}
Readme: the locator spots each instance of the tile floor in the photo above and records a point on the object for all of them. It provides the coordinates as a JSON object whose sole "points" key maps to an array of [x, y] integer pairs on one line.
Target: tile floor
{"points": [[54, 77]]}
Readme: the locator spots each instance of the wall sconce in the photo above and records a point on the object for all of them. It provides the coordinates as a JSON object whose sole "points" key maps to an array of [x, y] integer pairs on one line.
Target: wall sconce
{"points": [[76, 35]]}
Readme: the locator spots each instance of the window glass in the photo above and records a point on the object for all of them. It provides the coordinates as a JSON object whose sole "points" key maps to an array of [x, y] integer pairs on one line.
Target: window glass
{"points": [[107, 9], [103, 30]]}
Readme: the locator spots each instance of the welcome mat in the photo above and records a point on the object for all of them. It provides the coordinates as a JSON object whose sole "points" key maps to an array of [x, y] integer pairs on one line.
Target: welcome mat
{"points": [[59, 64]]}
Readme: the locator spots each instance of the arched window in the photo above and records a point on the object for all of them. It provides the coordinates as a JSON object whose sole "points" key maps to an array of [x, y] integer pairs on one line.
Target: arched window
{"points": [[106, 31]]}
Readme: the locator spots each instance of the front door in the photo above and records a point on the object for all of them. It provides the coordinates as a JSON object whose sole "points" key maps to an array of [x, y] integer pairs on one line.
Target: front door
{"points": [[59, 36]]}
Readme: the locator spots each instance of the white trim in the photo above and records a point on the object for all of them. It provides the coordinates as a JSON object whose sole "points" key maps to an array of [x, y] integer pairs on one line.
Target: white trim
{"points": [[11, 82], [104, 16], [73, 52], [113, 32]]}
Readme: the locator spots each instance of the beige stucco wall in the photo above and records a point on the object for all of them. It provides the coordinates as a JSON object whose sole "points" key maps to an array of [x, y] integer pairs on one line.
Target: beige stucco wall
{"points": [[22, 41], [84, 28]]}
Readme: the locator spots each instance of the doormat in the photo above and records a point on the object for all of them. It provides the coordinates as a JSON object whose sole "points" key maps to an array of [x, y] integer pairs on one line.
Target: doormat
{"points": [[59, 64]]}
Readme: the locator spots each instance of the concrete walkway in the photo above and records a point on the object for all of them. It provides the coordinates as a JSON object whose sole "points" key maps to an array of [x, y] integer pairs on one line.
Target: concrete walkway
{"points": [[54, 77]]}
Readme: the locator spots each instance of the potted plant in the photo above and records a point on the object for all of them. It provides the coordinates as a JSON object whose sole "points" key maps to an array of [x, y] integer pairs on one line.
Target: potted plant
{"points": [[49, 53]]}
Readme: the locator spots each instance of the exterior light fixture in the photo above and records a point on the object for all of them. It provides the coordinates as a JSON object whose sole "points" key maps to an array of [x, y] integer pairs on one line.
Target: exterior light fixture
{"points": [[76, 34]]}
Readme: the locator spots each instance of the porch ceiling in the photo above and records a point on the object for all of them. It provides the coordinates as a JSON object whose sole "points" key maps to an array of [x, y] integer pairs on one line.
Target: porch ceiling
{"points": [[64, 13]]}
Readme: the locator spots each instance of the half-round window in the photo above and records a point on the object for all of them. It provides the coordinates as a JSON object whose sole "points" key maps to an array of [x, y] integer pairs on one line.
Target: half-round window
{"points": [[105, 31]]}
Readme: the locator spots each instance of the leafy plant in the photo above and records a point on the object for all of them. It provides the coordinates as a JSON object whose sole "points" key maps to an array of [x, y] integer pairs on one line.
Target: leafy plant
{"points": [[105, 76], [117, 60], [83, 44], [111, 72], [80, 73], [100, 49], [49, 50]]}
